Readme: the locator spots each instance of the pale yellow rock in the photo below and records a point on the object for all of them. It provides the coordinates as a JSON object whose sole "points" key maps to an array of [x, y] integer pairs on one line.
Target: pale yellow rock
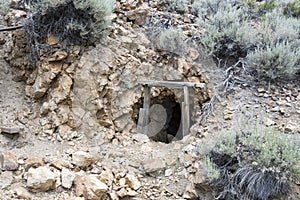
{"points": [[82, 159], [40, 179], [90, 187], [21, 192], [67, 178], [8, 161], [133, 182]]}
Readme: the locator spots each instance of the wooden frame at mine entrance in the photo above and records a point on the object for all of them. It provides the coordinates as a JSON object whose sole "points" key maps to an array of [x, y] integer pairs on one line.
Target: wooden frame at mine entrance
{"points": [[143, 120]]}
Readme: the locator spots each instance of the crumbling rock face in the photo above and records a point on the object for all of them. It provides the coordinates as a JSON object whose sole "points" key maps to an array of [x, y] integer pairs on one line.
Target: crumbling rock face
{"points": [[92, 91]]}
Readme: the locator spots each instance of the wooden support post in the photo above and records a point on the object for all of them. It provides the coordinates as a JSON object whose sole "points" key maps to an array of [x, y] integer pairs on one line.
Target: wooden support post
{"points": [[147, 95], [143, 120], [185, 112]]}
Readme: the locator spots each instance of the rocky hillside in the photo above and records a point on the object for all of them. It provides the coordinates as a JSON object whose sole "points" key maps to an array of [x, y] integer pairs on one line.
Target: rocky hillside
{"points": [[68, 125]]}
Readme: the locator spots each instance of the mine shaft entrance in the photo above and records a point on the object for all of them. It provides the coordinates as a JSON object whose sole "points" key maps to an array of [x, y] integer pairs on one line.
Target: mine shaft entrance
{"points": [[163, 118], [163, 108]]}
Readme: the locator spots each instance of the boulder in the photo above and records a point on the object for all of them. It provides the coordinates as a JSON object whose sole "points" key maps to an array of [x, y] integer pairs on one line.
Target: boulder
{"points": [[82, 159], [40, 179], [8, 161], [90, 187], [67, 178], [153, 165]]}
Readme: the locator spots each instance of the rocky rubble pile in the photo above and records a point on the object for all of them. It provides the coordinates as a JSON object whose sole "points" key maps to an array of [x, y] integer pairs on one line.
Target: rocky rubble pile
{"points": [[78, 174]]}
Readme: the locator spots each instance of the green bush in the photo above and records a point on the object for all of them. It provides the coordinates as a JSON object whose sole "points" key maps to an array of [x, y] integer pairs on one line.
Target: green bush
{"points": [[276, 27], [204, 8], [212, 172], [256, 162], [289, 7], [235, 29], [170, 41], [4, 7], [179, 6], [280, 60], [73, 22], [224, 30]]}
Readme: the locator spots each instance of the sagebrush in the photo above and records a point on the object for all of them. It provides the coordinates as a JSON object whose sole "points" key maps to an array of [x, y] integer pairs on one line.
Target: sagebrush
{"points": [[179, 6], [170, 41], [73, 22], [235, 30], [276, 61], [4, 7], [256, 162]]}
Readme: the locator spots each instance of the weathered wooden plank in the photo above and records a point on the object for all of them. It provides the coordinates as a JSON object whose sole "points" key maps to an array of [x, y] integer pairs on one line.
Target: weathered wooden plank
{"points": [[147, 96], [183, 120], [10, 28], [186, 110], [171, 84], [143, 121]]}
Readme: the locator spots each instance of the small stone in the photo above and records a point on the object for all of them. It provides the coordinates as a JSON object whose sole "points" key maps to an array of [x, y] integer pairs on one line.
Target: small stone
{"points": [[266, 95], [40, 179], [123, 192], [113, 196], [107, 176], [10, 129], [261, 90], [133, 182], [282, 111], [281, 102], [34, 162], [288, 105], [190, 192], [168, 172], [59, 164], [82, 159], [57, 56], [52, 39], [270, 122], [67, 178], [193, 53], [21, 161], [200, 177], [227, 116], [292, 128], [131, 193], [90, 187], [21, 192], [153, 165], [8, 162], [275, 109], [141, 138], [122, 182], [6, 178], [45, 108]]}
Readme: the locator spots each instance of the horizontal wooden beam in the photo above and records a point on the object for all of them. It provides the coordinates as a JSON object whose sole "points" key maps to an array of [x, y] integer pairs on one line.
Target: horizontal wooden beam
{"points": [[171, 84], [12, 28]]}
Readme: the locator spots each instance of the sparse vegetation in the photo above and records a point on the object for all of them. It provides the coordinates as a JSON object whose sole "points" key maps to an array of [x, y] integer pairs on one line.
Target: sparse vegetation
{"points": [[4, 7], [224, 25], [278, 61], [179, 6], [212, 172], [171, 41], [256, 162], [233, 29], [83, 22]]}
